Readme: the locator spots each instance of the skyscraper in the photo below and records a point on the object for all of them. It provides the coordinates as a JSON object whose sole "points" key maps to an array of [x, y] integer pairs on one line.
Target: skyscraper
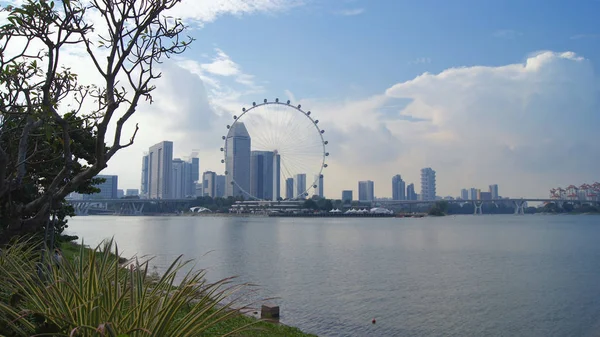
{"points": [[238, 145], [220, 189], [209, 184], [160, 166], [398, 188], [427, 184], [265, 175], [289, 188], [366, 190], [195, 171], [177, 179], [108, 189], [494, 191], [472, 193], [145, 177], [300, 185], [410, 192], [182, 185], [347, 196], [319, 182], [464, 194]]}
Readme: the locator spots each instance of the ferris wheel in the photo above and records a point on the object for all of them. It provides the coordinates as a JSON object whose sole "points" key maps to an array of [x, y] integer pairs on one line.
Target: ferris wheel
{"points": [[274, 151]]}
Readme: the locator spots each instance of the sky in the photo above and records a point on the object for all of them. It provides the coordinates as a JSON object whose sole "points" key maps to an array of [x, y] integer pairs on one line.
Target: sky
{"points": [[484, 92]]}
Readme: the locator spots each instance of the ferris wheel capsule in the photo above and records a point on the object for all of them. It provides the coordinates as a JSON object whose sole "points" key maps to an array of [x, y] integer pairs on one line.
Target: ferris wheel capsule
{"points": [[288, 101], [253, 103], [276, 100]]}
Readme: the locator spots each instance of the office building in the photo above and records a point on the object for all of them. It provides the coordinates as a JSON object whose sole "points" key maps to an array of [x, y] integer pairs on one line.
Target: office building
{"points": [[265, 175], [319, 186], [472, 194], [464, 194], [398, 188], [494, 192], [220, 186], [347, 196], [195, 169], [132, 192], [289, 188], [485, 196], [178, 178], [145, 176], [237, 170], [120, 193], [160, 170], [410, 192], [199, 189], [108, 189], [366, 190], [209, 184], [300, 186], [427, 184]]}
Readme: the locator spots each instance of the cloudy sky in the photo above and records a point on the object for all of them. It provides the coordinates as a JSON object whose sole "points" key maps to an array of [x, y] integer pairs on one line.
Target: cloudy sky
{"points": [[483, 92]]}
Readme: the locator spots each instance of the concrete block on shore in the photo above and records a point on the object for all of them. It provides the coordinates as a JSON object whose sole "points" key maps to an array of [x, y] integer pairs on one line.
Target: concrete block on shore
{"points": [[269, 311]]}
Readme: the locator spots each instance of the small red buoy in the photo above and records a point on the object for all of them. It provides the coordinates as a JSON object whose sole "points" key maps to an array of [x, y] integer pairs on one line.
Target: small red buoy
{"points": [[373, 321]]}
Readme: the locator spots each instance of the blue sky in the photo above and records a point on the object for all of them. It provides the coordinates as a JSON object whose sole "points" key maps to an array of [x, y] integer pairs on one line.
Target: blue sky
{"points": [[484, 92], [322, 53]]}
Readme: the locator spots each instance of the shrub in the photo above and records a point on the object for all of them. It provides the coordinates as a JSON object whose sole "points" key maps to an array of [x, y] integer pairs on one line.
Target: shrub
{"points": [[94, 295]]}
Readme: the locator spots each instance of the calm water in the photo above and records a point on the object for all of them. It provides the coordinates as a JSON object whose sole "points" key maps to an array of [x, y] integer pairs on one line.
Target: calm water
{"points": [[451, 276]]}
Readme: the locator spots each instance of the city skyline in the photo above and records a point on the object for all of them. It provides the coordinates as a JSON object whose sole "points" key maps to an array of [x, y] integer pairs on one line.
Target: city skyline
{"points": [[402, 107]]}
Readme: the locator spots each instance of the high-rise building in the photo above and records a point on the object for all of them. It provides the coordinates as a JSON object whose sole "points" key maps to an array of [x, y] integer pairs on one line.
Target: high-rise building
{"points": [[120, 193], [366, 190], [494, 191], [220, 186], [160, 169], [427, 184], [289, 188], [398, 188], [195, 169], [472, 194], [132, 192], [464, 194], [319, 183], [410, 192], [177, 179], [209, 184], [265, 175], [108, 189], [300, 185], [485, 196], [237, 170], [145, 176], [347, 196], [478, 195]]}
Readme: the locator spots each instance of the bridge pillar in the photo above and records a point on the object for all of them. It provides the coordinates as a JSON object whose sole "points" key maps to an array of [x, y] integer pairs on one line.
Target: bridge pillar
{"points": [[519, 207], [478, 209], [136, 210]]}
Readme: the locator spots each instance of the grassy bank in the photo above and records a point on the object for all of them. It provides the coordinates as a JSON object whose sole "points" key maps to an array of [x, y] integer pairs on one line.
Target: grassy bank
{"points": [[255, 327]]}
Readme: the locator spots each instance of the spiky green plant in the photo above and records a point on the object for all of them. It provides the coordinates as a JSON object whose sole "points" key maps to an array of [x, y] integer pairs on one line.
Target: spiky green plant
{"points": [[95, 295]]}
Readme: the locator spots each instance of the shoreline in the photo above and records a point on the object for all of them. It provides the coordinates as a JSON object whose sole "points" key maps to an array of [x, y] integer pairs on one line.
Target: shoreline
{"points": [[265, 327]]}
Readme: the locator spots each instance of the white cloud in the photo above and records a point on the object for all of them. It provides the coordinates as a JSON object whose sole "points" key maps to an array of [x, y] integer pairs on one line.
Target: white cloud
{"points": [[421, 60], [526, 126], [208, 10], [350, 12]]}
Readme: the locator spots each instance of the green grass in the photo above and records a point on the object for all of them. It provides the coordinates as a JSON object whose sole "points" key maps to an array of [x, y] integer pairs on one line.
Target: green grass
{"points": [[259, 328]]}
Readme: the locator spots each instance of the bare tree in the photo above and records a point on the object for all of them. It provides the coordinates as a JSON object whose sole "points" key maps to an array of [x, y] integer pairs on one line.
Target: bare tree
{"points": [[53, 129]]}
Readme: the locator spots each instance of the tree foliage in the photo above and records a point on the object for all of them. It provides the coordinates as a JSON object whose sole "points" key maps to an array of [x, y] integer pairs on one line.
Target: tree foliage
{"points": [[56, 132]]}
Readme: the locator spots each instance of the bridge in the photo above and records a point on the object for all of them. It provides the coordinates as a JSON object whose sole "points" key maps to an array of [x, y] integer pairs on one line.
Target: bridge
{"points": [[125, 206], [519, 203]]}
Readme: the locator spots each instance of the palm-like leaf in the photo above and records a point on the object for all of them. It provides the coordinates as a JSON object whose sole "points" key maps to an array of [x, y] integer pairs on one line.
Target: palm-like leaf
{"points": [[94, 295]]}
